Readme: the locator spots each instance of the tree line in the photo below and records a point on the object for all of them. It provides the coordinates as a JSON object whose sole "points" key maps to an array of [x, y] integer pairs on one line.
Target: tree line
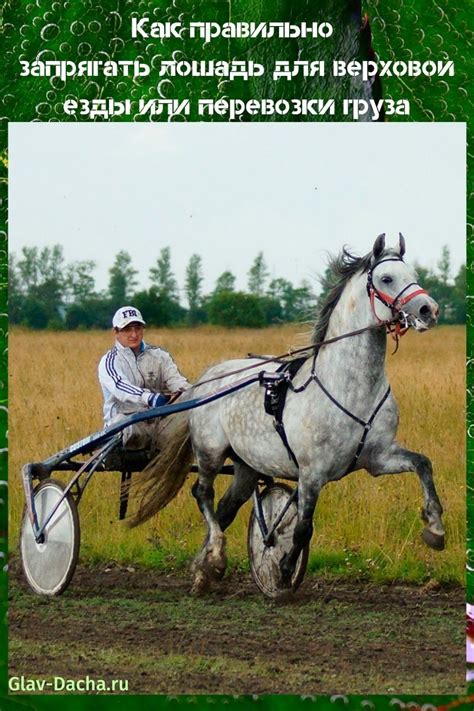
{"points": [[46, 292]]}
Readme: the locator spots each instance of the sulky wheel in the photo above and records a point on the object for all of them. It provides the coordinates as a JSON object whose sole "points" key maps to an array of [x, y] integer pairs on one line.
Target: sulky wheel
{"points": [[264, 559], [49, 565]]}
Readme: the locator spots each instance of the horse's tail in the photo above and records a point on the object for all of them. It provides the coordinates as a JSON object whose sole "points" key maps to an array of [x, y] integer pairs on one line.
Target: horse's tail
{"points": [[164, 476]]}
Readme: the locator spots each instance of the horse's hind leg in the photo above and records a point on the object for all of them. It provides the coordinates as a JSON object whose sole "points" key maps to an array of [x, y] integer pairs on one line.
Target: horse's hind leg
{"points": [[241, 489], [211, 561], [396, 460]]}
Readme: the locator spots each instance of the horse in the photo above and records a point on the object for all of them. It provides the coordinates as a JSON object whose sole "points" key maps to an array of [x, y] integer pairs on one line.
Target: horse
{"points": [[339, 416]]}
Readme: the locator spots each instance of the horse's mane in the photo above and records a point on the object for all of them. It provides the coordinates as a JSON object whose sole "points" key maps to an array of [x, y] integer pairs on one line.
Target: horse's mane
{"points": [[340, 269]]}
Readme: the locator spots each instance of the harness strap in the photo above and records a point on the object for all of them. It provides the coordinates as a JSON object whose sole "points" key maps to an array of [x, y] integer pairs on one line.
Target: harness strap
{"points": [[338, 404], [276, 388], [365, 424], [367, 427]]}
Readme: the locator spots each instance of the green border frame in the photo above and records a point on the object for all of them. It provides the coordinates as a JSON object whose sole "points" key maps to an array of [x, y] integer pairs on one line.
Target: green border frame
{"points": [[398, 32]]}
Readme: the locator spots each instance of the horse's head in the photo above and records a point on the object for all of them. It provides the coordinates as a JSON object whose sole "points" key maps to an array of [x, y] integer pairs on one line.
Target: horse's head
{"points": [[394, 291]]}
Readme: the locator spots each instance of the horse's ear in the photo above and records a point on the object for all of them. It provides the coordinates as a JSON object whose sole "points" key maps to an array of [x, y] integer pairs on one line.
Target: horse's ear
{"points": [[379, 246], [401, 242]]}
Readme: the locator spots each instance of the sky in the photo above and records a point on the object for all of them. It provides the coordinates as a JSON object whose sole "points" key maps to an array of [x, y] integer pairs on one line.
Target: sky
{"points": [[226, 191]]}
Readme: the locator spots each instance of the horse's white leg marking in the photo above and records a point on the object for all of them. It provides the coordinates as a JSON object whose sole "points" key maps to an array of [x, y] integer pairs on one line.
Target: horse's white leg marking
{"points": [[396, 460]]}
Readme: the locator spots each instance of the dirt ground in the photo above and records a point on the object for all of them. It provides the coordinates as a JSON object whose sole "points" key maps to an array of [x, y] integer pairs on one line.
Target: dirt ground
{"points": [[115, 622]]}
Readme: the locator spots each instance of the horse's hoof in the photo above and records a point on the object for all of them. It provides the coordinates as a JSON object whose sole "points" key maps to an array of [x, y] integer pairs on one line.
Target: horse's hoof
{"points": [[433, 540], [213, 572], [201, 584], [283, 595], [215, 569]]}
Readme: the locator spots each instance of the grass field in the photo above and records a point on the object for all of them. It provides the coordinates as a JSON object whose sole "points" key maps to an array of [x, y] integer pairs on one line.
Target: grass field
{"points": [[364, 526]]}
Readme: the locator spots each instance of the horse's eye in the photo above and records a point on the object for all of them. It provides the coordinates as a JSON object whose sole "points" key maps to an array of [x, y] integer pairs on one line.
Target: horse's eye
{"points": [[387, 279]]}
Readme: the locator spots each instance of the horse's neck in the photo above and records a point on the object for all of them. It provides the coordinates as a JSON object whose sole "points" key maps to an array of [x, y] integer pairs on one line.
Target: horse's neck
{"points": [[357, 359]]}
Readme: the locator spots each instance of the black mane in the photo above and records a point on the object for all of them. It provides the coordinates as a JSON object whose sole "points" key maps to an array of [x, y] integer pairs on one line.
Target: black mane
{"points": [[341, 269]]}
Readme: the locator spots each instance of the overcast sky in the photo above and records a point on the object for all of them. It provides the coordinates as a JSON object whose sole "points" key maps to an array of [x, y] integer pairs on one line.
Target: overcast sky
{"points": [[228, 191]]}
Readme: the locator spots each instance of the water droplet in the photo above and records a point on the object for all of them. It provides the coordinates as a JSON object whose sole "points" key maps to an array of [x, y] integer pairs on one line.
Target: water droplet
{"points": [[57, 83], [114, 20], [177, 117], [165, 88], [51, 95], [77, 28], [92, 90], [156, 61], [94, 26], [46, 55], [178, 55], [43, 109], [84, 49], [116, 44], [102, 56], [59, 109], [65, 47], [49, 32]]}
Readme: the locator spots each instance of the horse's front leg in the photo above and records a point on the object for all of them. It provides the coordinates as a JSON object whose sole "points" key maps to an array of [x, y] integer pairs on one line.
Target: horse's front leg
{"points": [[309, 487], [396, 460], [210, 563]]}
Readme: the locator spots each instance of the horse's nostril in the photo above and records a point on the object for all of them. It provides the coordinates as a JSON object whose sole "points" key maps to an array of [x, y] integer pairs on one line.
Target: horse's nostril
{"points": [[425, 311]]}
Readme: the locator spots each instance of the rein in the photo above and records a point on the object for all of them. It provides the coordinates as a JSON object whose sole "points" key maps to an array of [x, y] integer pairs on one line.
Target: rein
{"points": [[393, 326], [290, 352], [397, 326]]}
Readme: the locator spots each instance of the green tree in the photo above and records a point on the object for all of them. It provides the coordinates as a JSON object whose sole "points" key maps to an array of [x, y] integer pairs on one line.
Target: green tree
{"points": [[157, 308], [122, 280], [94, 311], [42, 285], [257, 276], [236, 309], [16, 296], [162, 276], [81, 283], [193, 290], [225, 282], [444, 264], [28, 268], [296, 303]]}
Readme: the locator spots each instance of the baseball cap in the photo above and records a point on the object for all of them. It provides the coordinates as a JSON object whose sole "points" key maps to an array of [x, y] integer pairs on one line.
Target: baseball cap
{"points": [[126, 315]]}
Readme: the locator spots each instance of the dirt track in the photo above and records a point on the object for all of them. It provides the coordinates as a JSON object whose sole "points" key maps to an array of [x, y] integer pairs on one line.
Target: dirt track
{"points": [[143, 626]]}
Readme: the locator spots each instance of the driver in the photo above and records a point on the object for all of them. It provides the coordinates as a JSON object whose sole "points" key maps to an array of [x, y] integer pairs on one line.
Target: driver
{"points": [[135, 376]]}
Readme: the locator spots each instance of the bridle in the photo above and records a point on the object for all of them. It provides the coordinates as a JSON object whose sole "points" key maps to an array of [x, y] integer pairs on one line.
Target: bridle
{"points": [[396, 326], [400, 324]]}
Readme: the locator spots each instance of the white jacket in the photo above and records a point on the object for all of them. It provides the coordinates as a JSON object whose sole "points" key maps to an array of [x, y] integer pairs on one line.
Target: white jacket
{"points": [[128, 380]]}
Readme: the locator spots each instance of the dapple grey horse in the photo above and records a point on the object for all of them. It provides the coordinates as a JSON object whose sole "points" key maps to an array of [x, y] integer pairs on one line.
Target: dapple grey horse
{"points": [[339, 415]]}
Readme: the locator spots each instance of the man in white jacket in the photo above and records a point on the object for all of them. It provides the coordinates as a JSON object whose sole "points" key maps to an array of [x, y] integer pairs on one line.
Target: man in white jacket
{"points": [[135, 376]]}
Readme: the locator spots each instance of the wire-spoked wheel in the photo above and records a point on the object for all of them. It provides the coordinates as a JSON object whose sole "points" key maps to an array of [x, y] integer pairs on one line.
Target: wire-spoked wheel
{"points": [[50, 564], [264, 559]]}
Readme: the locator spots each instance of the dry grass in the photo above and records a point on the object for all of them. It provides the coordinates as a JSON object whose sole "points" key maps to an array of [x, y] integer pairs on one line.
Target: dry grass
{"points": [[55, 400]]}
